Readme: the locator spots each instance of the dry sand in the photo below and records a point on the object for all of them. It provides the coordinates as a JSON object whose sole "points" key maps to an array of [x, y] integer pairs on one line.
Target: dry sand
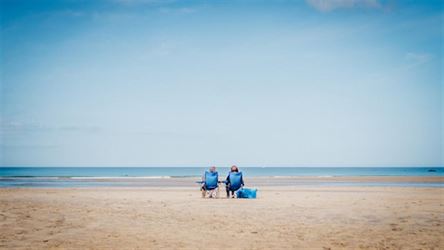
{"points": [[171, 218]]}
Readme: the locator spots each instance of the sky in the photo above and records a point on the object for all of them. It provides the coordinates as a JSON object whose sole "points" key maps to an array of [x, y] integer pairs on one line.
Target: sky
{"points": [[198, 83]]}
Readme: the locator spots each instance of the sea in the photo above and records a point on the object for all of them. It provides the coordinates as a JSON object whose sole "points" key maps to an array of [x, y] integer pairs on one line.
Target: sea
{"points": [[143, 176]]}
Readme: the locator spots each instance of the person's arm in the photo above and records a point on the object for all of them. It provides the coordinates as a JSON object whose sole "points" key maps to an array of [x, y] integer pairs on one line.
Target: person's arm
{"points": [[227, 180], [242, 181]]}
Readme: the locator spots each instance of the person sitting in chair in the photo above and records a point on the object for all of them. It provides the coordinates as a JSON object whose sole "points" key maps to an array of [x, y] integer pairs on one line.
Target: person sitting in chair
{"points": [[234, 181], [210, 181]]}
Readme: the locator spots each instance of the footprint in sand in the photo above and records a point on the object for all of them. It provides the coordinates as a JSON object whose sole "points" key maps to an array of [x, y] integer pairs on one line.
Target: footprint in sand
{"points": [[403, 219], [395, 227], [20, 232]]}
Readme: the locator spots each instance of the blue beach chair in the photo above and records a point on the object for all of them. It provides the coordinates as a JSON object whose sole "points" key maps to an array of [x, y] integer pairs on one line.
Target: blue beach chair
{"points": [[211, 184], [235, 182]]}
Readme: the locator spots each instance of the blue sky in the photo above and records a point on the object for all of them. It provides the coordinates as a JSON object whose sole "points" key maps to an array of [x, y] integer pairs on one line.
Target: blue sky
{"points": [[194, 83]]}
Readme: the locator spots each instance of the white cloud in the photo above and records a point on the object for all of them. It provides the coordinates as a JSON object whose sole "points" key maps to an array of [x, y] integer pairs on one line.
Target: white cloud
{"points": [[139, 2], [330, 5], [184, 10], [20, 127], [165, 48], [418, 58]]}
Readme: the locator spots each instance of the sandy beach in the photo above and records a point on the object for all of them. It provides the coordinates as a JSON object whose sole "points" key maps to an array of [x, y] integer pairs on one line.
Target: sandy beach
{"points": [[283, 217]]}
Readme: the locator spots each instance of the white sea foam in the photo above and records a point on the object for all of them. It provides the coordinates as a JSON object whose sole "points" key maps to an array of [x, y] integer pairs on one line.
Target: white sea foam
{"points": [[29, 177], [81, 177], [118, 177]]}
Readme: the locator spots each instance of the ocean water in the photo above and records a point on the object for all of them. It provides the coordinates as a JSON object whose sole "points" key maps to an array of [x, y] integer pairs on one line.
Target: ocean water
{"points": [[141, 176], [197, 171]]}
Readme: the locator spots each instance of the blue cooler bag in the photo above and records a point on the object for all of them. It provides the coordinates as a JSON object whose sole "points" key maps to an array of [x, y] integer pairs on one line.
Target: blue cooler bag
{"points": [[246, 193]]}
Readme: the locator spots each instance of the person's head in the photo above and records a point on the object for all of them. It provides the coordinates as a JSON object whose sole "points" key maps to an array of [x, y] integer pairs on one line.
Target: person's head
{"points": [[234, 168], [212, 169]]}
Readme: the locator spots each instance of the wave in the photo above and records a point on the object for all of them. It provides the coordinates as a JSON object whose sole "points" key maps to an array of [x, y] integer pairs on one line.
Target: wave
{"points": [[120, 177], [82, 177]]}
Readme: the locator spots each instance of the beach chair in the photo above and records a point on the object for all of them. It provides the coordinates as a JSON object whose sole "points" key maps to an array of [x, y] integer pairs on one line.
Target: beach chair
{"points": [[235, 181], [211, 185]]}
